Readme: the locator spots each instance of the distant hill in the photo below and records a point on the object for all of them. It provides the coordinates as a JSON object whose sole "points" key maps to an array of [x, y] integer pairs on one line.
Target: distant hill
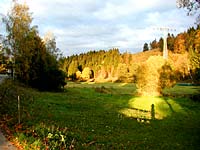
{"points": [[113, 66], [184, 56]]}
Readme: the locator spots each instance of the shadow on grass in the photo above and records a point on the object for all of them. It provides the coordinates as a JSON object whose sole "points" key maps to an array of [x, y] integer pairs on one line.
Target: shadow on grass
{"points": [[170, 106], [82, 118]]}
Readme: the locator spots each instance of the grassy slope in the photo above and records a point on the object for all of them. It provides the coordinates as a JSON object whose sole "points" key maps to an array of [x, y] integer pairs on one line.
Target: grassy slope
{"points": [[179, 60], [98, 117], [143, 56]]}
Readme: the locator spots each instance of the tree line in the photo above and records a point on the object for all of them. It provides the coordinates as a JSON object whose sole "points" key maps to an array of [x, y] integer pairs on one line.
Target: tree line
{"points": [[177, 44], [113, 65], [110, 65], [34, 61], [188, 41]]}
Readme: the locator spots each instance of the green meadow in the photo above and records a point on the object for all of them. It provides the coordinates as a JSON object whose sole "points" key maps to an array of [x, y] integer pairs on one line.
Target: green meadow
{"points": [[109, 116]]}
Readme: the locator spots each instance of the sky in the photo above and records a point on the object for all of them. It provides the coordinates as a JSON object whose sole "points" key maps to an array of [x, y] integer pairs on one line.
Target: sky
{"points": [[84, 25]]}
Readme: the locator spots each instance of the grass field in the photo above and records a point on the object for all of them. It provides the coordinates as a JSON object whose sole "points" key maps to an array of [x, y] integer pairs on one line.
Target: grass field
{"points": [[109, 116]]}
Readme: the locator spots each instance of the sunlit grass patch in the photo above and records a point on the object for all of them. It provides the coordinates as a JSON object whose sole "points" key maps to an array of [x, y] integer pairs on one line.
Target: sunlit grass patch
{"points": [[85, 118], [151, 108], [123, 84]]}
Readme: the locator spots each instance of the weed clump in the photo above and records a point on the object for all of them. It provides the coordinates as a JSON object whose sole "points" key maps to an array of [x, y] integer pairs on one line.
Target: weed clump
{"points": [[102, 89]]}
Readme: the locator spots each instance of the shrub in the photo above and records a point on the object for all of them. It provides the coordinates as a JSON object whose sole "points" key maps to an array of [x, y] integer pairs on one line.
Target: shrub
{"points": [[9, 92], [197, 75], [86, 73], [167, 76], [55, 80]]}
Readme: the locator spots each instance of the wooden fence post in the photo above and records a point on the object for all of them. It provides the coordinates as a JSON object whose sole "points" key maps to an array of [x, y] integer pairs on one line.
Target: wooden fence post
{"points": [[19, 120]]}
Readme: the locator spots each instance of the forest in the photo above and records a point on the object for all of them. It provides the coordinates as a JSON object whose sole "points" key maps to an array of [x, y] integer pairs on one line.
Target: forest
{"points": [[111, 65]]}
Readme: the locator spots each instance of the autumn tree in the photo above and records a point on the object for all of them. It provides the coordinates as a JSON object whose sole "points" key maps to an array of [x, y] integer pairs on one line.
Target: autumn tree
{"points": [[147, 81], [167, 76], [153, 76], [87, 74], [160, 44], [180, 43], [122, 72], [191, 32], [195, 56], [193, 7], [154, 44], [2, 59], [170, 41], [72, 69], [197, 42]]}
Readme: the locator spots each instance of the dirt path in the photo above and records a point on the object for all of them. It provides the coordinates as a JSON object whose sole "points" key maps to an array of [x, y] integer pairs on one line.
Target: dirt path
{"points": [[5, 144]]}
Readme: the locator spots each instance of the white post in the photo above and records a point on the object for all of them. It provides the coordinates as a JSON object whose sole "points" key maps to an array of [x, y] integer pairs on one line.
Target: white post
{"points": [[165, 51], [165, 31], [18, 98]]}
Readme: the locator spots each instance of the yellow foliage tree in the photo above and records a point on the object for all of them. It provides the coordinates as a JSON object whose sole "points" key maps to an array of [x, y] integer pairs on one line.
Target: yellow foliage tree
{"points": [[154, 75], [86, 74], [180, 43]]}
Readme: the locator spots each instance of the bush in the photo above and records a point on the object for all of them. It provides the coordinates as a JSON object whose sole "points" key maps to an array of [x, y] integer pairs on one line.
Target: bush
{"points": [[167, 76], [9, 92], [195, 97], [50, 80], [54, 80], [197, 75]]}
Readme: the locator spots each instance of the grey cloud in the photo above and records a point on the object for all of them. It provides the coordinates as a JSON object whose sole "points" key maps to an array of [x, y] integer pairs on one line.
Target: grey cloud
{"points": [[81, 25]]}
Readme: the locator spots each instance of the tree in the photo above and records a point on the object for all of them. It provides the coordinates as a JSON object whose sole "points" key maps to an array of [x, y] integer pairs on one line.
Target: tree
{"points": [[86, 74], [154, 75], [19, 38], [170, 41], [34, 63], [145, 47], [167, 76], [197, 42], [3, 60], [72, 69], [147, 81], [191, 32], [195, 56], [154, 44], [122, 72], [50, 43], [160, 44], [180, 43], [192, 6]]}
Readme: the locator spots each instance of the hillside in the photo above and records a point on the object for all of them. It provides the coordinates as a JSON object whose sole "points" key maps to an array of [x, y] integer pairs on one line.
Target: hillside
{"points": [[143, 56], [113, 66]]}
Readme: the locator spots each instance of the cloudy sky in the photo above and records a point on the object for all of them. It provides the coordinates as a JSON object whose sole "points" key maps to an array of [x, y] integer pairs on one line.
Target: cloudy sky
{"points": [[83, 25]]}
